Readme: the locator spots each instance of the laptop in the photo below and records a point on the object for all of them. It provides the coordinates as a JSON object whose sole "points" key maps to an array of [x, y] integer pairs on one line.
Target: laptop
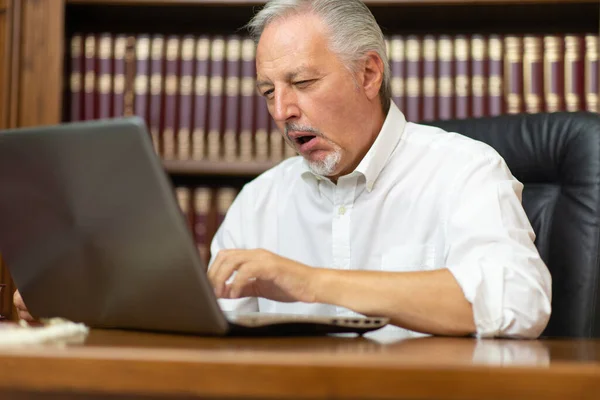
{"points": [[91, 231]]}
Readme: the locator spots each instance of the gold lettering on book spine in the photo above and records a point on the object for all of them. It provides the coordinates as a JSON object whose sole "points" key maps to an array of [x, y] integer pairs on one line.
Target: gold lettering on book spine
{"points": [[217, 52], [571, 57], [187, 49], [142, 48], [248, 50], [172, 49], [591, 69], [233, 50], [202, 49]]}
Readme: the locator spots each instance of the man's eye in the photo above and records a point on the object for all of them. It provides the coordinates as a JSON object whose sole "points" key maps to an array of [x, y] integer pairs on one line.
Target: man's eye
{"points": [[268, 93], [304, 83]]}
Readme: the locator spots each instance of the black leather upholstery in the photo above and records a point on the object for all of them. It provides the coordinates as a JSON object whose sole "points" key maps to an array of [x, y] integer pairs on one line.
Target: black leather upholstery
{"points": [[557, 158]]}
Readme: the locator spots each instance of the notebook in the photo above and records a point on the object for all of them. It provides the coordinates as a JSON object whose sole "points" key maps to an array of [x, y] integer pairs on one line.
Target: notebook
{"points": [[91, 232]]}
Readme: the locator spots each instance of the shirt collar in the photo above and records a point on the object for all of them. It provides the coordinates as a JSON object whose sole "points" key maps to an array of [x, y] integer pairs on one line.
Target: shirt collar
{"points": [[373, 162]]}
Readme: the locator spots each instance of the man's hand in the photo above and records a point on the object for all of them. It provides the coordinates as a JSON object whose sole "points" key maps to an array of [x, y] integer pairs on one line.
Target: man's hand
{"points": [[260, 273], [21, 308]]}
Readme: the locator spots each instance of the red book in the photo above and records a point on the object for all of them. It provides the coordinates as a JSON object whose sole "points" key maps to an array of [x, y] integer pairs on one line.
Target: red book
{"points": [[397, 70], [184, 199], [200, 98], [479, 74], [232, 93], [496, 75], [513, 74], [141, 86], [414, 58], [591, 73], [89, 97], [75, 87], [156, 72], [533, 70], [216, 89], [105, 74], [248, 91], [202, 207], [574, 73], [169, 126], [261, 136], [462, 93], [429, 78], [118, 84], [186, 79], [554, 73], [445, 77]]}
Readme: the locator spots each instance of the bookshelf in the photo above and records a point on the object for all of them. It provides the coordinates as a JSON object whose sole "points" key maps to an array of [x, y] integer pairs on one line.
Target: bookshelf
{"points": [[35, 55]]}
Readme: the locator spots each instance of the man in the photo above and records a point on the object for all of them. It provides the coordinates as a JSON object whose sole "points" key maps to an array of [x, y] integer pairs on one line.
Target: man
{"points": [[379, 216]]}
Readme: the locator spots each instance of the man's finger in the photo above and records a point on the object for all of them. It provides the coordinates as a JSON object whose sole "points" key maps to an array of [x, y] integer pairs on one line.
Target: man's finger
{"points": [[229, 263], [244, 279]]}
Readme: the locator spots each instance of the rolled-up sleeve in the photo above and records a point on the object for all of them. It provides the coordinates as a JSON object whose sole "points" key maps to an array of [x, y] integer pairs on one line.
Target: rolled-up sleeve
{"points": [[491, 253]]}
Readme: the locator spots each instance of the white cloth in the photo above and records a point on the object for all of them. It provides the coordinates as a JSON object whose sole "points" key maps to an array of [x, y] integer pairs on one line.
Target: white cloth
{"points": [[421, 199]]}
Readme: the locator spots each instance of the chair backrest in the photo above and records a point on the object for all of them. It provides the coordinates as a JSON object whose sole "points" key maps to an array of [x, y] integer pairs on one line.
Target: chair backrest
{"points": [[557, 158]]}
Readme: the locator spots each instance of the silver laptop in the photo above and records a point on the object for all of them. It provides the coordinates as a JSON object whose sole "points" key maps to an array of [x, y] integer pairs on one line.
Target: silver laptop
{"points": [[91, 231]]}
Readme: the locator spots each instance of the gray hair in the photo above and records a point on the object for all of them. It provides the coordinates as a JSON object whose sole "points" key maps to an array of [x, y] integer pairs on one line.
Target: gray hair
{"points": [[354, 31]]}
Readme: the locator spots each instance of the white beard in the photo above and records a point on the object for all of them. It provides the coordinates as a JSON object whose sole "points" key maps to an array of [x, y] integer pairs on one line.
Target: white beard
{"points": [[327, 166]]}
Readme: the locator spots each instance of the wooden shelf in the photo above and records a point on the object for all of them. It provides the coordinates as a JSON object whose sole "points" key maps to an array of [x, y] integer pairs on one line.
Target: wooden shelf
{"points": [[217, 168], [369, 2]]}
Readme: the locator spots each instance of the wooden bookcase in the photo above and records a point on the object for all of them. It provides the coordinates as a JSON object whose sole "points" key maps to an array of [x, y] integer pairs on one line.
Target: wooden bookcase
{"points": [[34, 37]]}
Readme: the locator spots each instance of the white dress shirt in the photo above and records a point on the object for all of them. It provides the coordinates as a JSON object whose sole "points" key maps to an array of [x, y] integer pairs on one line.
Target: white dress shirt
{"points": [[421, 199]]}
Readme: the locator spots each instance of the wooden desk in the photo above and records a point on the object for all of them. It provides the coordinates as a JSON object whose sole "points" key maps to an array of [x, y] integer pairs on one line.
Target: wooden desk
{"points": [[126, 364]]}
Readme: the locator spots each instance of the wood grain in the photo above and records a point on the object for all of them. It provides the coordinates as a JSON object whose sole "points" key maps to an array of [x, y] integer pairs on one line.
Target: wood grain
{"points": [[133, 363], [40, 62]]}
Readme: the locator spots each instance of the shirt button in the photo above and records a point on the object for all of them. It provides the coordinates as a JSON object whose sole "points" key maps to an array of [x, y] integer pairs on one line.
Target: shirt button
{"points": [[342, 210]]}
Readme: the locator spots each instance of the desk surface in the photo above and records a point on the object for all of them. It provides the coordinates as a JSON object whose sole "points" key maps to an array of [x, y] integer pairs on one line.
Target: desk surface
{"points": [[135, 363]]}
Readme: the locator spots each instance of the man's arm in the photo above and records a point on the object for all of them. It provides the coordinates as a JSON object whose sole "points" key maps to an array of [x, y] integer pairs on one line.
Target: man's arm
{"points": [[426, 301]]}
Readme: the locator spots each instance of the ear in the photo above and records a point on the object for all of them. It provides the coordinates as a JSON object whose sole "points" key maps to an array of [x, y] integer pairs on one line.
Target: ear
{"points": [[372, 75]]}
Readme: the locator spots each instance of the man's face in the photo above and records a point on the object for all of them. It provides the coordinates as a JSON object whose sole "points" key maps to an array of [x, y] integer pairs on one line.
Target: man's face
{"points": [[312, 96]]}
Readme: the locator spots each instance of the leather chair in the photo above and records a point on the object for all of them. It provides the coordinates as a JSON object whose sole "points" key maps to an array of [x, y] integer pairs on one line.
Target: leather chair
{"points": [[557, 158]]}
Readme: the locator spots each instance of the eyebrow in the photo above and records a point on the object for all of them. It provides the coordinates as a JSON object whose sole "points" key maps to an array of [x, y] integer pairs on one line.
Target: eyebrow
{"points": [[290, 76]]}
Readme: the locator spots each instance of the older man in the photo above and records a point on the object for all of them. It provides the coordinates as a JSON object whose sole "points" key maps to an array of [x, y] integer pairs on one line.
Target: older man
{"points": [[379, 216]]}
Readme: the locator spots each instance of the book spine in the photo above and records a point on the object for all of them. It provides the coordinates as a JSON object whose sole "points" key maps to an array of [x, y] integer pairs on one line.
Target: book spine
{"points": [[533, 70], [232, 92], [397, 70], [75, 86], [276, 142], [170, 98], [461, 78], [202, 206], [200, 98], [414, 88], [186, 84], [157, 56], [248, 91], [105, 74], [261, 136], [553, 73], [89, 103], [591, 73], [118, 84], [514, 74], [129, 77], [496, 75], [141, 84], [479, 76], [445, 77], [574, 73], [184, 199], [429, 78], [216, 88]]}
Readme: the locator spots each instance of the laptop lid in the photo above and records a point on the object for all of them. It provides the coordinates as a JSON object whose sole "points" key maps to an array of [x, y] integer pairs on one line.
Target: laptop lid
{"points": [[91, 230]]}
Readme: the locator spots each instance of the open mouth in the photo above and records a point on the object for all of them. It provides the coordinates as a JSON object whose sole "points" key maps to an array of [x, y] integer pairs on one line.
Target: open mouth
{"points": [[304, 139]]}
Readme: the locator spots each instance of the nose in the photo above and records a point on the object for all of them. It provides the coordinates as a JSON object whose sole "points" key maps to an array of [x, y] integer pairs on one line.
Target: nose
{"points": [[284, 106]]}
